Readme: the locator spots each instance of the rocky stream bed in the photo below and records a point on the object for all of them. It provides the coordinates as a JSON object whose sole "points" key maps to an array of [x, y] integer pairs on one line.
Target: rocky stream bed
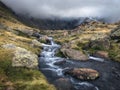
{"points": [[66, 74]]}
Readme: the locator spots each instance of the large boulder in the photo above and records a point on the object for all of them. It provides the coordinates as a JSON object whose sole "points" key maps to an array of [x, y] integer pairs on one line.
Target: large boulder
{"points": [[83, 73], [63, 84], [75, 54], [24, 58]]}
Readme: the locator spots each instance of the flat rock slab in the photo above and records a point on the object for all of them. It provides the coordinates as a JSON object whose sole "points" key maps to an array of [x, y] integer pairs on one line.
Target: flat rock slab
{"points": [[102, 54], [83, 73]]}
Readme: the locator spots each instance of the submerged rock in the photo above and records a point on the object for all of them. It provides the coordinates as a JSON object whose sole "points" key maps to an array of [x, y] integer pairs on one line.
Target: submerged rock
{"points": [[60, 62], [63, 84], [83, 73], [75, 54]]}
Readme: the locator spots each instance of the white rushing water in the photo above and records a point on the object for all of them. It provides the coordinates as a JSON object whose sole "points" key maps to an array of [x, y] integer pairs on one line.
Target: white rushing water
{"points": [[48, 55], [49, 58], [96, 59]]}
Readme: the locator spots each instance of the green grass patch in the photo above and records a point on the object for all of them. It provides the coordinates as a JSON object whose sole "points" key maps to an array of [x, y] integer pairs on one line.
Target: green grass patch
{"points": [[21, 78]]}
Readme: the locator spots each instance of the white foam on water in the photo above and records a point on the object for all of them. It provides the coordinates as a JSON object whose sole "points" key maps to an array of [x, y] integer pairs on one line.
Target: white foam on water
{"points": [[96, 59], [89, 85], [51, 69], [70, 61], [48, 55], [79, 84], [59, 72]]}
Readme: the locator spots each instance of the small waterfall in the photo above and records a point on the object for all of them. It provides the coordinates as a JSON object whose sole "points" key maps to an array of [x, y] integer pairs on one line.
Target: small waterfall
{"points": [[48, 55]]}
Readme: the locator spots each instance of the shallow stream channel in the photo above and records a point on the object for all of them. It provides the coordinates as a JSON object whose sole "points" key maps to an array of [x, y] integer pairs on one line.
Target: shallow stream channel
{"points": [[50, 66]]}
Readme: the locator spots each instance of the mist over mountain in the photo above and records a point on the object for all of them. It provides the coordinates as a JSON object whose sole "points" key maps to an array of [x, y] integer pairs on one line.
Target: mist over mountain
{"points": [[52, 9]]}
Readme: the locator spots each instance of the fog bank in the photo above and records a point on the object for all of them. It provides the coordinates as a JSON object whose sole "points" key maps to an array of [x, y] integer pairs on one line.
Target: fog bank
{"points": [[108, 9]]}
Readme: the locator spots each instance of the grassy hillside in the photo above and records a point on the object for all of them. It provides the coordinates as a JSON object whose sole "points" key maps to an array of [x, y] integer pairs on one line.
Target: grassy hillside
{"points": [[93, 37], [14, 32]]}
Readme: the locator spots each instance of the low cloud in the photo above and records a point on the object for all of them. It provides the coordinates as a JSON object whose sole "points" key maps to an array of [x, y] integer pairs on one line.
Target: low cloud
{"points": [[108, 9]]}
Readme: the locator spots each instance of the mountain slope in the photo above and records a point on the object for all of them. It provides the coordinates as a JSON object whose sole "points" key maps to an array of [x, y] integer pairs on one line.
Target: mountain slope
{"points": [[15, 34], [93, 37]]}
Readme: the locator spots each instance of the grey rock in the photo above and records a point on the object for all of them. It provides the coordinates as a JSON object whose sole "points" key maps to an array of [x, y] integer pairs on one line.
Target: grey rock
{"points": [[83, 73], [101, 54], [28, 32], [24, 58], [115, 34], [99, 44], [37, 35], [9, 46], [63, 84], [75, 54], [2, 26]]}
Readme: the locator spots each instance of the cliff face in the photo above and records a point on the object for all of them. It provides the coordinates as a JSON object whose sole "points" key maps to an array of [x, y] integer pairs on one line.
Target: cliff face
{"points": [[17, 48]]}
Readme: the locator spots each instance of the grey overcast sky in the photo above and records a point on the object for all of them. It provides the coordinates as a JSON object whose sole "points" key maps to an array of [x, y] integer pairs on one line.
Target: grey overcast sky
{"points": [[109, 9]]}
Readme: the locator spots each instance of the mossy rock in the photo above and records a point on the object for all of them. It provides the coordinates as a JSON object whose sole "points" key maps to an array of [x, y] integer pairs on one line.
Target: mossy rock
{"points": [[60, 54]]}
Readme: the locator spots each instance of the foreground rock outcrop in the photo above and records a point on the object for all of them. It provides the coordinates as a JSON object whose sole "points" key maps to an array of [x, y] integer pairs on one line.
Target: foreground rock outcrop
{"points": [[83, 73], [22, 57]]}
